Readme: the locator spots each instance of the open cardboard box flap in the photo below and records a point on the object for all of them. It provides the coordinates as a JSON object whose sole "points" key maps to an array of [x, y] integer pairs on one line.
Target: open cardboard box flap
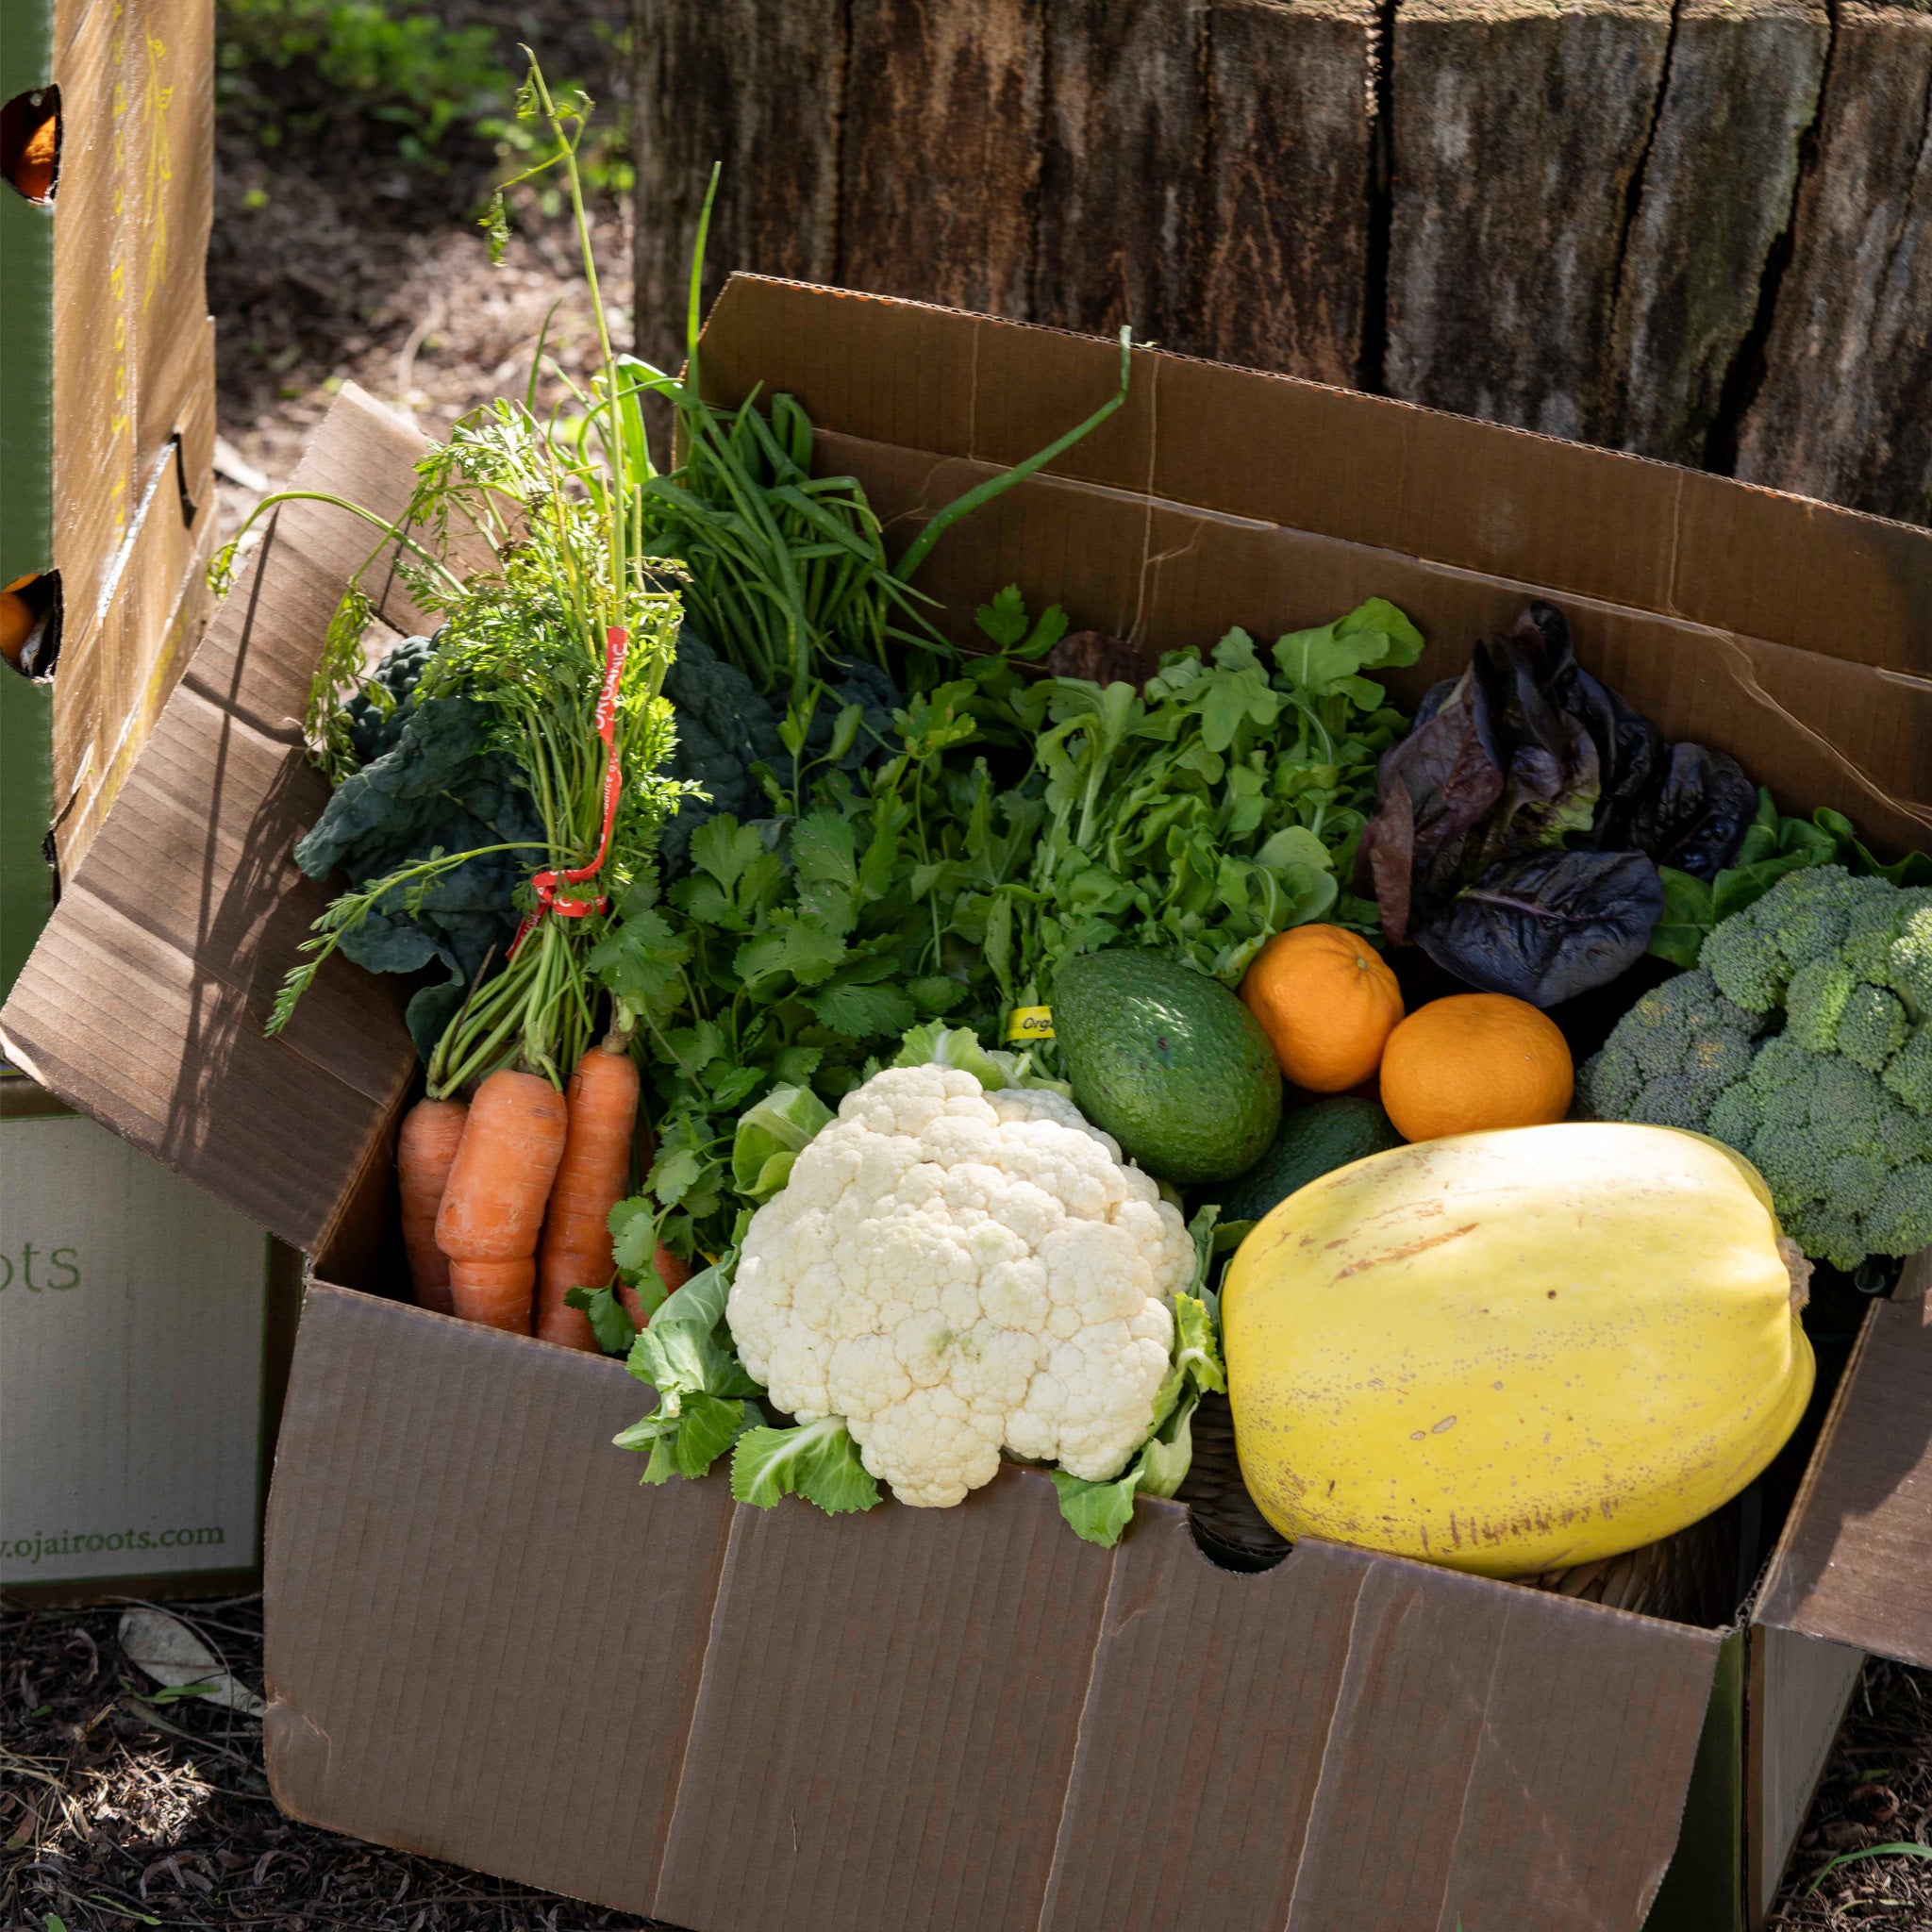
{"points": [[730, 1718]]}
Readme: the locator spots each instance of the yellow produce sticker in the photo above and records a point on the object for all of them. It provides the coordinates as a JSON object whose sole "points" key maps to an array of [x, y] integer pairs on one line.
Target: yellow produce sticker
{"points": [[1030, 1023]]}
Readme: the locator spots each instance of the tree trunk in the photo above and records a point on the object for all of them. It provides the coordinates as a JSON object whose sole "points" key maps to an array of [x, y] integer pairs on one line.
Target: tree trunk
{"points": [[1120, 176], [758, 88], [1845, 408], [1292, 191], [1519, 130], [1716, 195], [942, 151]]}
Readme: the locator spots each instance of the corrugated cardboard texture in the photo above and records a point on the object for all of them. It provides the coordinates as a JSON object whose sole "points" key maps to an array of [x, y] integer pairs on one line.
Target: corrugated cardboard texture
{"points": [[1799, 1690], [1346, 1740], [106, 371], [117, 669], [1703, 1889], [888, 1717], [27, 315], [132, 351], [485, 1638], [26, 792], [957, 1720], [145, 1001], [1821, 730], [1853, 1564]]}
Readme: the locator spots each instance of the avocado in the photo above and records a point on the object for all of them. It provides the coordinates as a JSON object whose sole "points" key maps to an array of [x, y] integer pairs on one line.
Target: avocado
{"points": [[1168, 1062], [1313, 1141]]}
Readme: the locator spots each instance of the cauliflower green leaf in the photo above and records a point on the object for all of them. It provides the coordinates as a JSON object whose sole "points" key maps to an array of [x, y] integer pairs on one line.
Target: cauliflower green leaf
{"points": [[702, 1392], [818, 1460]]}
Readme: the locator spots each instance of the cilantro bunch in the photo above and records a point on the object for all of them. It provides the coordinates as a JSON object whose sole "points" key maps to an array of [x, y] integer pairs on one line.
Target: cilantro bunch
{"points": [[801, 946]]}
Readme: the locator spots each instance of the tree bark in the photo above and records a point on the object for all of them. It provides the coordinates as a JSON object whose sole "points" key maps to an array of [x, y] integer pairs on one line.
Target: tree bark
{"points": [[1845, 407], [1519, 127], [1715, 195], [941, 150], [1126, 129], [1285, 278], [758, 88]]}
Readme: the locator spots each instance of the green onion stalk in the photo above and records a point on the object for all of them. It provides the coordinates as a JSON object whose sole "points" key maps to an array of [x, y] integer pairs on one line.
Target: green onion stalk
{"points": [[787, 574], [565, 632]]}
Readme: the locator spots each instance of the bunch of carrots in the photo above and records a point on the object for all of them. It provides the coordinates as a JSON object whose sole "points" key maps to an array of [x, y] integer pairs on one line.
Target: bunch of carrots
{"points": [[506, 1199], [566, 636]]}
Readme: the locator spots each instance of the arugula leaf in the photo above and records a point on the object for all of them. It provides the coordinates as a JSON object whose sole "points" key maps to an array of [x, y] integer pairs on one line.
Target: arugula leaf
{"points": [[1383, 634], [816, 1460], [609, 1323]]}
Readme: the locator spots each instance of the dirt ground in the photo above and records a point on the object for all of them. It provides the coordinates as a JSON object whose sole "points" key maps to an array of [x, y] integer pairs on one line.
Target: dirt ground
{"points": [[321, 273], [118, 1812]]}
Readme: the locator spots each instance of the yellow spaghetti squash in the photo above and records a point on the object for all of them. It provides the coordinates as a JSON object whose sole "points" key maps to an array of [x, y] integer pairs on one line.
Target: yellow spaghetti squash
{"points": [[1512, 1352]]}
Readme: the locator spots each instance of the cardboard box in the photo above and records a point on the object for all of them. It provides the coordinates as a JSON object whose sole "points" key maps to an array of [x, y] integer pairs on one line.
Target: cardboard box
{"points": [[144, 1330], [107, 412], [487, 1644]]}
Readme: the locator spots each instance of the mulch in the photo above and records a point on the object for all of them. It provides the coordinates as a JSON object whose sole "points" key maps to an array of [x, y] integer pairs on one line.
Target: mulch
{"points": [[118, 1812], [323, 269]]}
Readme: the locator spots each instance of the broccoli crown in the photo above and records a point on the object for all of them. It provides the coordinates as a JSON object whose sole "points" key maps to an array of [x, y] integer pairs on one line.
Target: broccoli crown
{"points": [[1847, 1159], [1909, 957], [1909, 1072], [1849, 1169], [1670, 1057], [1850, 961]]}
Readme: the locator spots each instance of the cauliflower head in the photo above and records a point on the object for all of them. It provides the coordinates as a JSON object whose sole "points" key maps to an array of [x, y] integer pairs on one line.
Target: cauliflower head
{"points": [[955, 1272]]}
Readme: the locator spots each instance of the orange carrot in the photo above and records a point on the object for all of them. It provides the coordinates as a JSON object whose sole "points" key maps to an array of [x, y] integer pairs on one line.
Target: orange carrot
{"points": [[673, 1272], [603, 1096], [426, 1151], [492, 1208]]}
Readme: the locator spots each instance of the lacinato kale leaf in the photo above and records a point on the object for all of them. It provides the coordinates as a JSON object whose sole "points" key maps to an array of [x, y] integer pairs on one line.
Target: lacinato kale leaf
{"points": [[750, 752], [432, 781]]}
